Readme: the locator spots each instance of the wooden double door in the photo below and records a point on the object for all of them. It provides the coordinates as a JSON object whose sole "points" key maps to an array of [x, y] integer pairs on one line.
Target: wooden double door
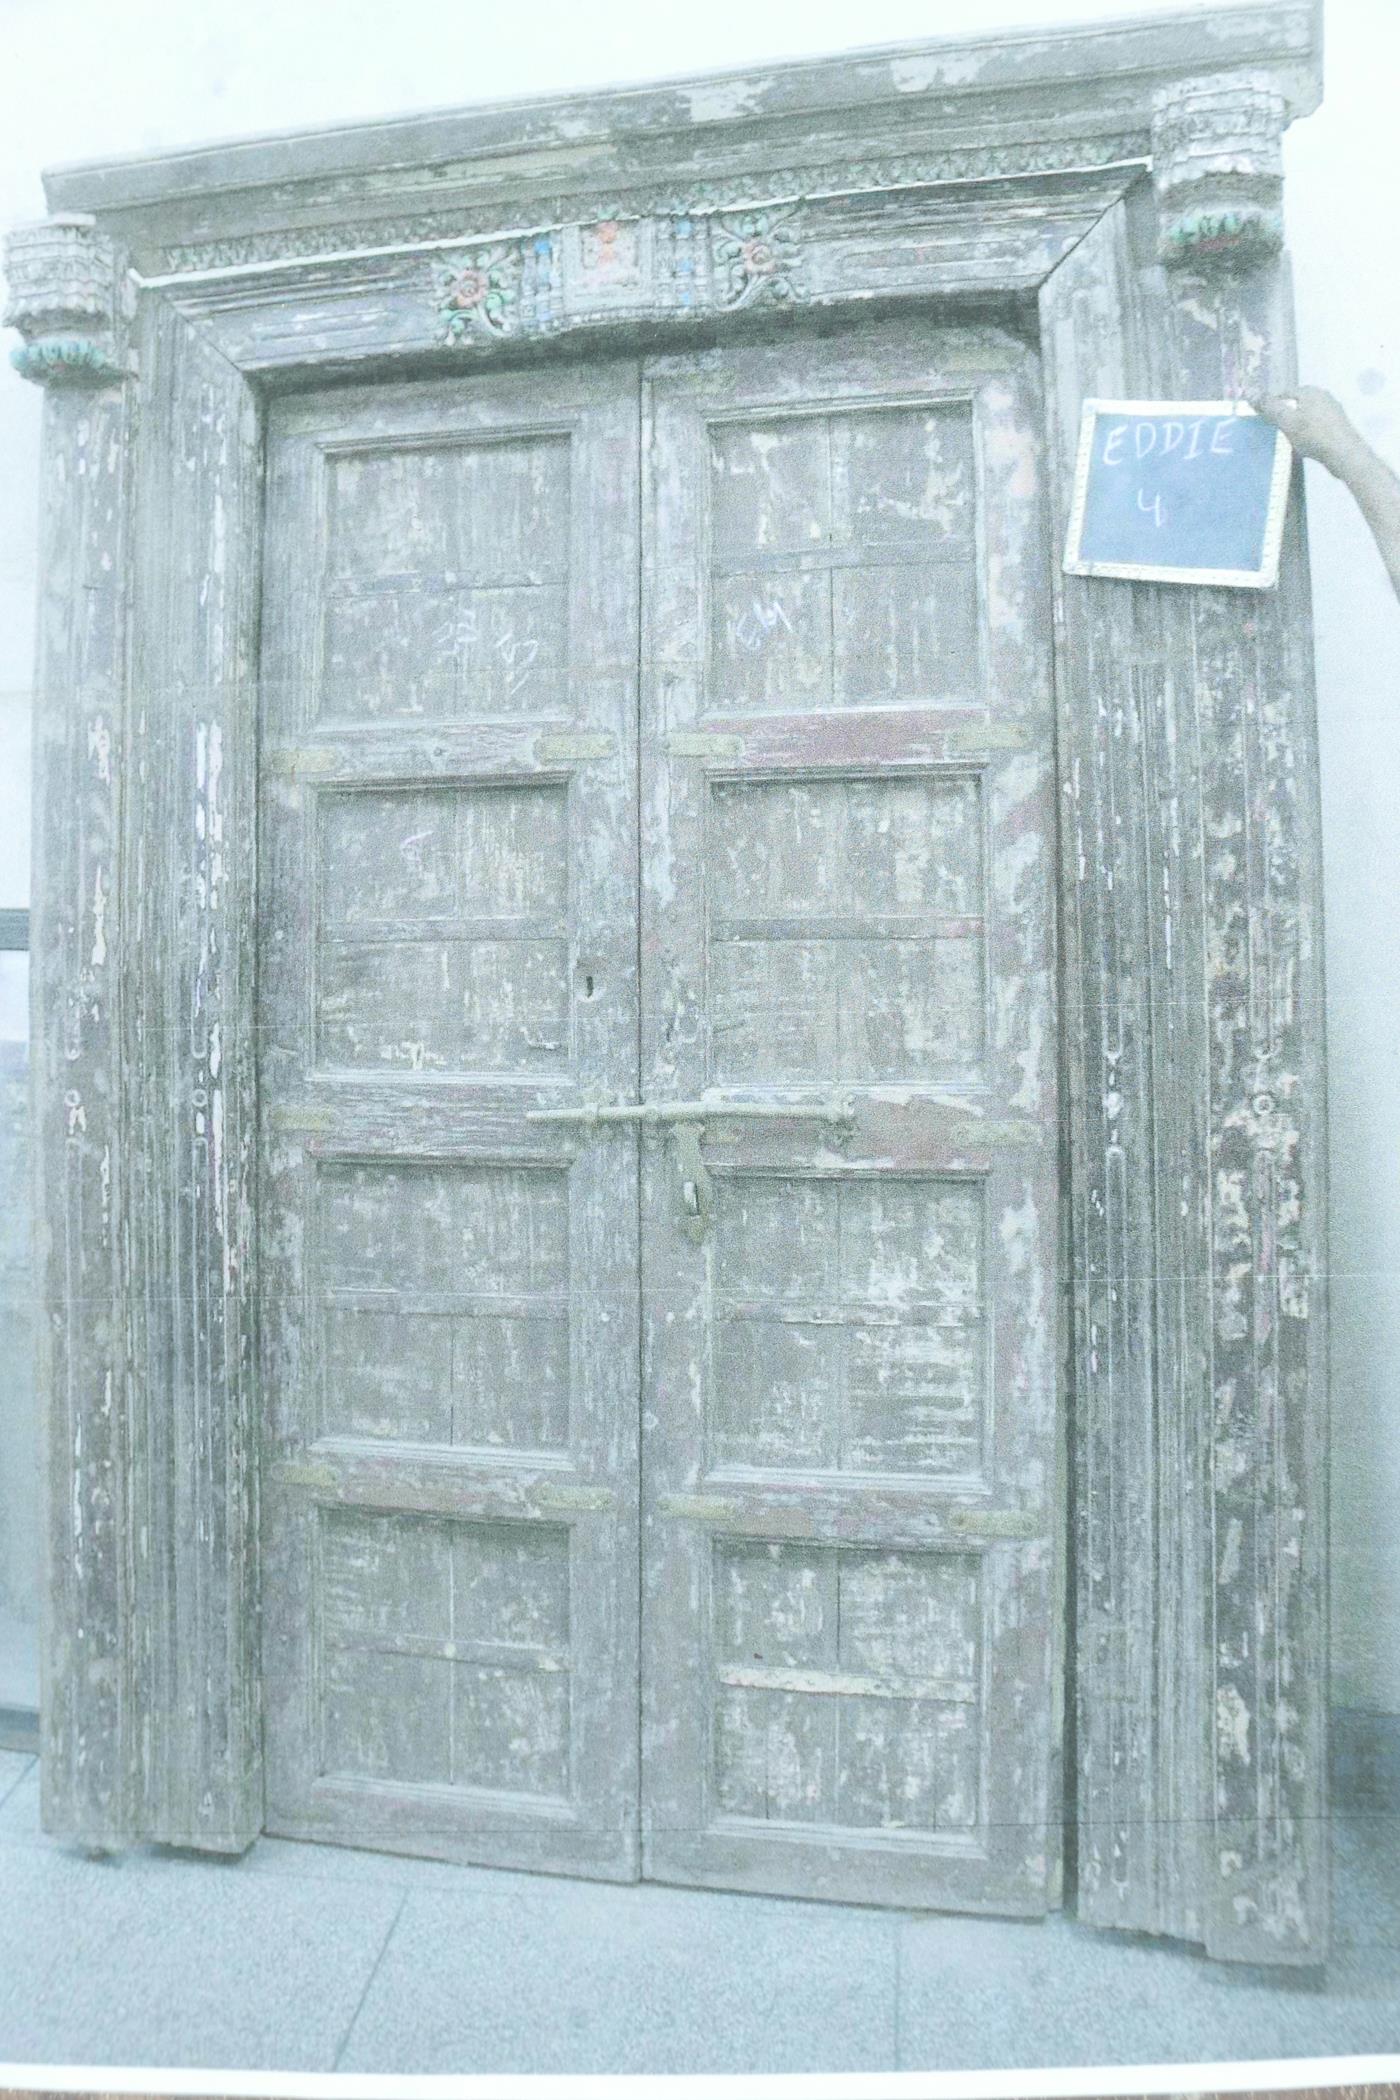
{"points": [[658, 1121]]}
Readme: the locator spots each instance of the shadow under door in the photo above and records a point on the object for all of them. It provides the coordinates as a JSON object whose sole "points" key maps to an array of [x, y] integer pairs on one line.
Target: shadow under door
{"points": [[658, 1121]]}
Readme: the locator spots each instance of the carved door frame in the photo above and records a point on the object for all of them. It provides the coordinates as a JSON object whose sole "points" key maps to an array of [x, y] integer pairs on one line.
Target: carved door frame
{"points": [[1118, 187]]}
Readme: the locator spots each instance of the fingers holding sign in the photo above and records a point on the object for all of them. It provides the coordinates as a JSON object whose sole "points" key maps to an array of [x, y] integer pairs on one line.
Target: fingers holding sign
{"points": [[1313, 421], [1318, 427]]}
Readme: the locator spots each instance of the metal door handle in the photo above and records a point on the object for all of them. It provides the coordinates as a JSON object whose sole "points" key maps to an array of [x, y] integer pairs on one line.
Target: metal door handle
{"points": [[696, 1186]]}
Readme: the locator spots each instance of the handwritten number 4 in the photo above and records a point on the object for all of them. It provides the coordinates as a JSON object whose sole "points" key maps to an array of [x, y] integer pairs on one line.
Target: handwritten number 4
{"points": [[1152, 508]]}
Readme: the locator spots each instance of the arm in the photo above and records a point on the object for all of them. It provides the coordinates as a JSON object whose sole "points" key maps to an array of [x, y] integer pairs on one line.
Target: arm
{"points": [[1318, 427]]}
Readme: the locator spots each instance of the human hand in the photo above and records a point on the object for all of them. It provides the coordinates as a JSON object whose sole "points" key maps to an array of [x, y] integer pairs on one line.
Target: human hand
{"points": [[1314, 422]]}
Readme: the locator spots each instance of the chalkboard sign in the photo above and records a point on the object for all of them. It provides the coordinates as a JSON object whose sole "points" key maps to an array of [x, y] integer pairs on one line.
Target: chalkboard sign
{"points": [[1178, 492]]}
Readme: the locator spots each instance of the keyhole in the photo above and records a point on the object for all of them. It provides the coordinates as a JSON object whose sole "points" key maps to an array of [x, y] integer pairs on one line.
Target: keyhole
{"points": [[588, 987]]}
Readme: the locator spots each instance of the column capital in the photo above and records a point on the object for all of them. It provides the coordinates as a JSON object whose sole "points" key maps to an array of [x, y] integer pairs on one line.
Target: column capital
{"points": [[1217, 165], [64, 298]]}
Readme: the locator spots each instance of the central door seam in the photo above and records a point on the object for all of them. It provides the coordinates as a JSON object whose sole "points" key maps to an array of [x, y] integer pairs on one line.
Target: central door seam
{"points": [[643, 440]]}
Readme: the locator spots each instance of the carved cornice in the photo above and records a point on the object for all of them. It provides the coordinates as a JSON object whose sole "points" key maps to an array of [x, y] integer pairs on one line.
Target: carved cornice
{"points": [[1217, 163], [680, 168], [964, 167], [1026, 88], [770, 190], [62, 280]]}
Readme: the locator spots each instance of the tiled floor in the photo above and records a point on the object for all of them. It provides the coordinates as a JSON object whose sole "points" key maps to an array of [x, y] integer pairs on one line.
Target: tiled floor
{"points": [[300, 1957]]}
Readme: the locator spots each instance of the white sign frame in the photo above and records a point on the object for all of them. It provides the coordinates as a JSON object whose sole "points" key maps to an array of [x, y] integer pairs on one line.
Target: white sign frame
{"points": [[1261, 579]]}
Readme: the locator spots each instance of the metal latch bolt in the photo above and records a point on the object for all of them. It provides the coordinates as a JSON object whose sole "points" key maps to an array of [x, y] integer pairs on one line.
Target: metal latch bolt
{"points": [[687, 1120]]}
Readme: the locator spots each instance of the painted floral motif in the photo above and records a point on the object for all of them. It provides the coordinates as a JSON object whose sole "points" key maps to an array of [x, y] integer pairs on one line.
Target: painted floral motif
{"points": [[756, 253], [67, 362], [1249, 234], [476, 291], [610, 251]]}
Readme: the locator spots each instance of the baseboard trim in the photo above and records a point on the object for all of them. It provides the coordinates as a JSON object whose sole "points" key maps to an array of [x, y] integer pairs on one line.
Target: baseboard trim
{"points": [[1365, 1762], [19, 1729]]}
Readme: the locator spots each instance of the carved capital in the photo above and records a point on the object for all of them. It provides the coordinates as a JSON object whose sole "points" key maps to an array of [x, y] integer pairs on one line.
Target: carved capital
{"points": [[1217, 164], [62, 279]]}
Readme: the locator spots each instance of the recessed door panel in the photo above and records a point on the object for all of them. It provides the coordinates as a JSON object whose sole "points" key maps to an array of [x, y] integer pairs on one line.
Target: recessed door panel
{"points": [[449, 941], [659, 1122], [850, 1531]]}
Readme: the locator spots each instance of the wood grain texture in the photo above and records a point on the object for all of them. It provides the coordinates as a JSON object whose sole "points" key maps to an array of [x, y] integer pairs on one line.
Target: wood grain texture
{"points": [[849, 1356], [1188, 841], [143, 1092], [450, 1407], [80, 1081], [1011, 100], [660, 273], [188, 906], [1195, 1068]]}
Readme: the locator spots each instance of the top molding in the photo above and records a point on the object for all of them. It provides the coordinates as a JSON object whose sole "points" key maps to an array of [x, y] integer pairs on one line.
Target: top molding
{"points": [[955, 168], [1105, 66], [1029, 93]]}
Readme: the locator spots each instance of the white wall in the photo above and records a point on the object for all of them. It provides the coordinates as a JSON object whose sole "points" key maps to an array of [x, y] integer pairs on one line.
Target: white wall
{"points": [[92, 79], [1342, 200]]}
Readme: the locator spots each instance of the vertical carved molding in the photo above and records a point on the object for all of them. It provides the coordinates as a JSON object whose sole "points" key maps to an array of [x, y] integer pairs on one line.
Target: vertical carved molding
{"points": [[1217, 164], [1193, 1010], [143, 1067], [1265, 1893], [1122, 1698], [188, 1061], [61, 279]]}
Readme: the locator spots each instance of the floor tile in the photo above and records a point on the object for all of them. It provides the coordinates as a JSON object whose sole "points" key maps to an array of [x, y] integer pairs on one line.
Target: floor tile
{"points": [[1356, 2011], [979, 1995], [616, 1980], [1366, 1881], [345, 1864], [1241, 2014], [139, 1962], [275, 1959]]}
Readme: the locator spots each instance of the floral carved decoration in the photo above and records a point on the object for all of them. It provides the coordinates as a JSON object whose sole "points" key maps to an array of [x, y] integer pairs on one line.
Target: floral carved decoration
{"points": [[1248, 234], [70, 362], [756, 254], [476, 292]]}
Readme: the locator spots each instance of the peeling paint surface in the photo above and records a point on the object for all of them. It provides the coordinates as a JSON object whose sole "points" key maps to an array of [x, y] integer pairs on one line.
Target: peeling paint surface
{"points": [[1195, 1076], [449, 1328], [866, 1327], [849, 1365], [449, 683]]}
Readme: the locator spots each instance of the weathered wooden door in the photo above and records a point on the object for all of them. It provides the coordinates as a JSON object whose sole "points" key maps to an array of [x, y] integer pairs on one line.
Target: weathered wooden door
{"points": [[850, 1484], [448, 914], [833, 851]]}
